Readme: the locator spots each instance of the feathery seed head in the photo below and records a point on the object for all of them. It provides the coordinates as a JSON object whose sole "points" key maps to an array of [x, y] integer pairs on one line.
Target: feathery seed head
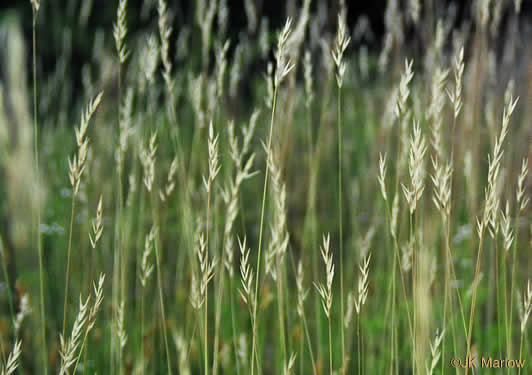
{"points": [[416, 168], [522, 200], [301, 292], [246, 273], [456, 96], [506, 229], [206, 268], [325, 291], [435, 351], [404, 90], [363, 284], [97, 227], [69, 347], [214, 166], [147, 159], [442, 187], [13, 359], [340, 45], [382, 175], [146, 268], [77, 163], [98, 299], [283, 63], [120, 31]]}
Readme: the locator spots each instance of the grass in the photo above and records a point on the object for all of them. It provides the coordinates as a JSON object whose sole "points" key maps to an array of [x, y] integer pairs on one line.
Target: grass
{"points": [[412, 157]]}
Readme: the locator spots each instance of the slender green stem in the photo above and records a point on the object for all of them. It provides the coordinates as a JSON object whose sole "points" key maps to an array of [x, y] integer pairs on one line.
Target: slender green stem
{"points": [[359, 347], [281, 311], [512, 282], [8, 283], [143, 364], [330, 349], [314, 370], [160, 283], [274, 105], [37, 171], [392, 338], [520, 352], [340, 219], [505, 302], [474, 297], [235, 348], [206, 306], [68, 261]]}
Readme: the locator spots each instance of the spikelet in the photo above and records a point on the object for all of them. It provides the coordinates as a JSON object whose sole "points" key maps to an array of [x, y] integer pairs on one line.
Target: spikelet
{"points": [[401, 109], [98, 299], [288, 367], [527, 306], [301, 292], [363, 284], [416, 168], [246, 274], [521, 199], [69, 347], [436, 107], [97, 226], [120, 31], [325, 291], [77, 163], [340, 45], [147, 159], [382, 176], [120, 330], [442, 187], [280, 237], [214, 166], [206, 270], [231, 193], [283, 63], [13, 359], [165, 31], [507, 233], [456, 96], [435, 351], [146, 267], [494, 160], [170, 183]]}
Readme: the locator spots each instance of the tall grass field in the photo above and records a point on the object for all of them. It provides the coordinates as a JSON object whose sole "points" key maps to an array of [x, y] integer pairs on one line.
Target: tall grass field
{"points": [[302, 195]]}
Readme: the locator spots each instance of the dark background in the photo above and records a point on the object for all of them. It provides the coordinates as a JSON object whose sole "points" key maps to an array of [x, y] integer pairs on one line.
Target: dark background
{"points": [[56, 16]]}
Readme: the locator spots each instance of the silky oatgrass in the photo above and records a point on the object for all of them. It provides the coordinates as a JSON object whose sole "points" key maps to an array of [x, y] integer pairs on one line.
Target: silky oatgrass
{"points": [[186, 95]]}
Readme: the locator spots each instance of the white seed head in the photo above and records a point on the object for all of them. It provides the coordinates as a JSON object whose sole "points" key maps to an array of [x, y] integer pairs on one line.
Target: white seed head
{"points": [[120, 31]]}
